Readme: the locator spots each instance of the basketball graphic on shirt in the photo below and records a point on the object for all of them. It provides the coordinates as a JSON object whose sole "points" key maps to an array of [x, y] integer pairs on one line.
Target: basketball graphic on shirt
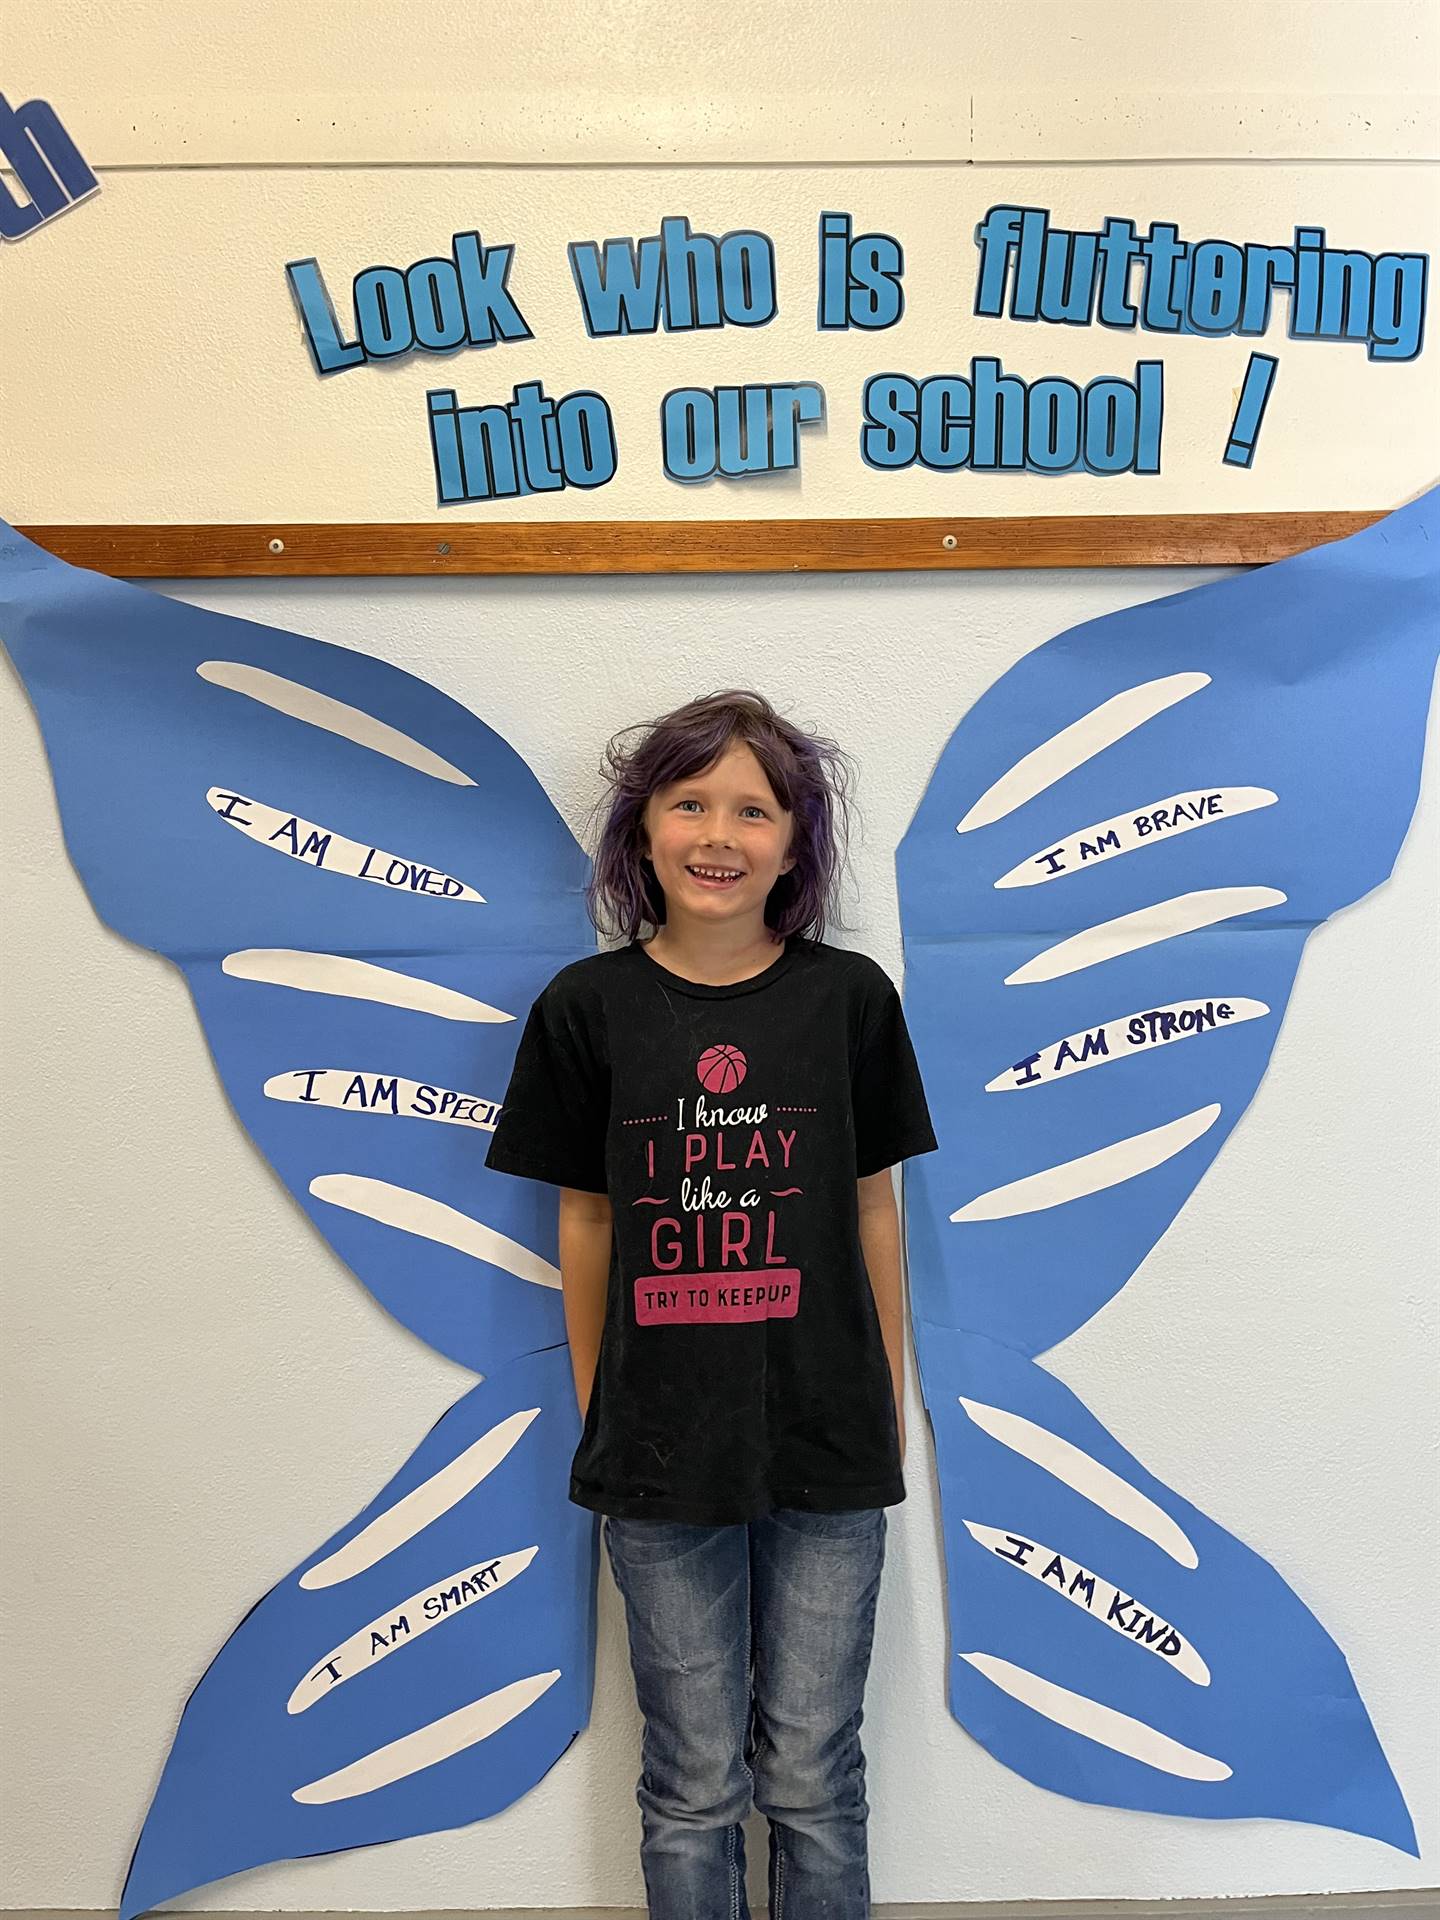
{"points": [[720, 1069]]}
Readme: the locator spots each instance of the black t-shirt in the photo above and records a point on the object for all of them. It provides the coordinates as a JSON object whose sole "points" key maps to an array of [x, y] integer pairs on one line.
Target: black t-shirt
{"points": [[741, 1366]]}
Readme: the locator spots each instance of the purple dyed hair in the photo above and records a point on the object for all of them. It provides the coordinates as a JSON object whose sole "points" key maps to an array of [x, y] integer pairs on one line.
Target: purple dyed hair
{"points": [[810, 777]]}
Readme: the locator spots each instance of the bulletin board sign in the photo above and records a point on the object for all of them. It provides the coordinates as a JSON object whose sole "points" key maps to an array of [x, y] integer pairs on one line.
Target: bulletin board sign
{"points": [[597, 369]]}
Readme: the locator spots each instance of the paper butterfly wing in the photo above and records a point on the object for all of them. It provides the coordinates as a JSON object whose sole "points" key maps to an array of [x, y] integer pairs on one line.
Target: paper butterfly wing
{"points": [[1104, 893], [424, 1669], [365, 888], [1275, 725], [1110, 1642]]}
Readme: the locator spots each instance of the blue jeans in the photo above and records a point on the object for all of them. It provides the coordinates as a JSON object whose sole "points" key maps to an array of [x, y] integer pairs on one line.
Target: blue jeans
{"points": [[750, 1646]]}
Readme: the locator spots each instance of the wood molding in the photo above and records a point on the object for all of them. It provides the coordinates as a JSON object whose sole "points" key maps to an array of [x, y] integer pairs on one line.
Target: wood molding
{"points": [[693, 546]]}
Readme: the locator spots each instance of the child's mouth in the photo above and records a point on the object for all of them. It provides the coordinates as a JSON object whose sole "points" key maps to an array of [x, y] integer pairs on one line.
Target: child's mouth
{"points": [[718, 879]]}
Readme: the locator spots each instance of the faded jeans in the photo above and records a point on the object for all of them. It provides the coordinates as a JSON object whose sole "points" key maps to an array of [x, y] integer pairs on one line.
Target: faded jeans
{"points": [[750, 1646]]}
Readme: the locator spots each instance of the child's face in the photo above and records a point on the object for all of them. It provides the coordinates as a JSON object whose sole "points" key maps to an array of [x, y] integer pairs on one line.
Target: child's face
{"points": [[725, 818]]}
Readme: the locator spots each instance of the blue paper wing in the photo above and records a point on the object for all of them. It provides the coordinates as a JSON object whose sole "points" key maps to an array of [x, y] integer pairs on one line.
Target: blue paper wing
{"points": [[1104, 896], [365, 888], [1111, 1643], [424, 1669], [1283, 714]]}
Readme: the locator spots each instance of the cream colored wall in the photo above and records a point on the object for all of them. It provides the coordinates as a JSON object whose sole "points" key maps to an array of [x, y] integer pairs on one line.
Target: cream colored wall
{"points": [[157, 317], [630, 81], [194, 1390], [200, 347]]}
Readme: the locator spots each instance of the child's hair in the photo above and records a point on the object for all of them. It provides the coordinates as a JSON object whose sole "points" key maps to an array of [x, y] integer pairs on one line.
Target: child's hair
{"points": [[811, 779]]}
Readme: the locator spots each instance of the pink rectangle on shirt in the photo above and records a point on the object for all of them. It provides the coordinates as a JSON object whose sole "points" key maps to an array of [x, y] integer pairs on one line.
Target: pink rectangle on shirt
{"points": [[666, 1299]]}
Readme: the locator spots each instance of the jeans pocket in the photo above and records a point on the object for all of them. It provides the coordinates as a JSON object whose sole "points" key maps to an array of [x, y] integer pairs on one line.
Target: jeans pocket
{"points": [[847, 1524], [648, 1543]]}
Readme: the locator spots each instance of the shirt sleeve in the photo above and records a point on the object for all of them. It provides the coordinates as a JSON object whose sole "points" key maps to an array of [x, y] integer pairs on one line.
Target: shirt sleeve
{"points": [[556, 1108], [892, 1118]]}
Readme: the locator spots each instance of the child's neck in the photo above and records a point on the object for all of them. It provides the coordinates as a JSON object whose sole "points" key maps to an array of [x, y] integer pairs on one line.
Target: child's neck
{"points": [[711, 955]]}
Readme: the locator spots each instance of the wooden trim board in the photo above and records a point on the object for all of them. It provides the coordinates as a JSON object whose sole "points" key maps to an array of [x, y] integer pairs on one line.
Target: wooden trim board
{"points": [[261, 549]]}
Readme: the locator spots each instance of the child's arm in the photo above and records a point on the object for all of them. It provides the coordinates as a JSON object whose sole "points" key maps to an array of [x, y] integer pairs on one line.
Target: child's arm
{"points": [[586, 1226], [880, 1244]]}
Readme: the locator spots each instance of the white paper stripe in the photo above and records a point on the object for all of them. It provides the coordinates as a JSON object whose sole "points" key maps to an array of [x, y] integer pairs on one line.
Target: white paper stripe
{"points": [[428, 1745], [417, 1213], [1114, 1607], [356, 1090], [1088, 847], [1092, 1172], [418, 1509], [334, 716], [324, 850], [1111, 1040], [404, 1622], [1085, 1475], [1146, 927], [1063, 752], [355, 980], [1095, 1721]]}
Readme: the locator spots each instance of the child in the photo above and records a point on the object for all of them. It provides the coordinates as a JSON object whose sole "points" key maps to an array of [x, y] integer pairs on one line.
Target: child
{"points": [[721, 1105]]}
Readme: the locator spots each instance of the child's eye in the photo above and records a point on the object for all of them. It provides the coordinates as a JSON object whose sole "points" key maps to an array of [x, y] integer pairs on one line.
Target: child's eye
{"points": [[748, 809]]}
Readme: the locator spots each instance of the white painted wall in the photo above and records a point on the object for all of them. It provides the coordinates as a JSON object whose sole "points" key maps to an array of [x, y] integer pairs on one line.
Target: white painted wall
{"points": [[194, 1390]]}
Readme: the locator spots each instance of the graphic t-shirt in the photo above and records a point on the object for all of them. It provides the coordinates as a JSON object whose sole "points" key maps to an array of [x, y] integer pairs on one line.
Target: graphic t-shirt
{"points": [[742, 1365]]}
